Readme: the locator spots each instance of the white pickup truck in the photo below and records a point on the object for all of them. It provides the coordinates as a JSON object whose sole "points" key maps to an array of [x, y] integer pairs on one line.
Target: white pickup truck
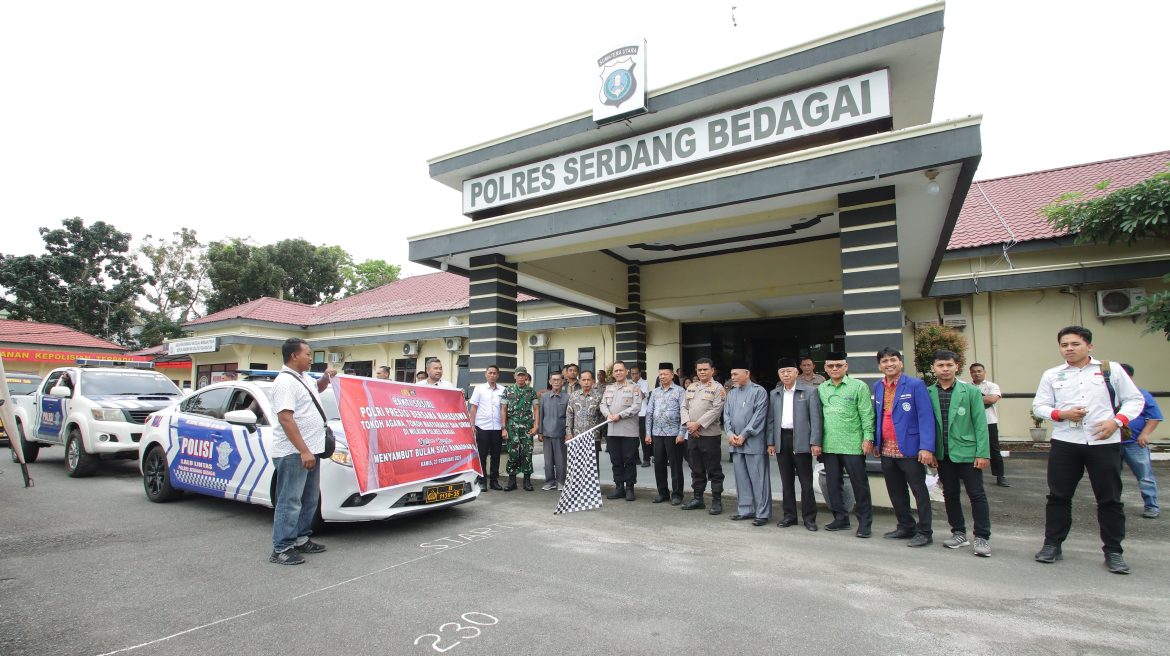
{"points": [[95, 410]]}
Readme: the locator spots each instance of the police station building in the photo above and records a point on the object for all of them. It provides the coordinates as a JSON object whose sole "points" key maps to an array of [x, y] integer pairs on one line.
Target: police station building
{"points": [[797, 204]]}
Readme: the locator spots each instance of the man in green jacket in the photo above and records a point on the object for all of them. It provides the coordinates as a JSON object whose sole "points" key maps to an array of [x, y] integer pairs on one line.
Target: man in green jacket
{"points": [[963, 451], [847, 438]]}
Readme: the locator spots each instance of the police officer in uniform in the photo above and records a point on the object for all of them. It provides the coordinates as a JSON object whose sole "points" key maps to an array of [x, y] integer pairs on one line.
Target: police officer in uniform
{"points": [[620, 404], [702, 416]]}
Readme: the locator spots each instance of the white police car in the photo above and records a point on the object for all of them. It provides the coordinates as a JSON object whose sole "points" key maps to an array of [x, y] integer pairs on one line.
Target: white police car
{"points": [[217, 442]]}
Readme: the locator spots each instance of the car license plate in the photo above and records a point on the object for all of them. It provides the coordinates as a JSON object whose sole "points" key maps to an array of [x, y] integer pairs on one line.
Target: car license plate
{"points": [[439, 493]]}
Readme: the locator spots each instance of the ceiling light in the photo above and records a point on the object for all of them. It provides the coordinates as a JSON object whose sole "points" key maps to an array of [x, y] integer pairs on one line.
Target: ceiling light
{"points": [[932, 187]]}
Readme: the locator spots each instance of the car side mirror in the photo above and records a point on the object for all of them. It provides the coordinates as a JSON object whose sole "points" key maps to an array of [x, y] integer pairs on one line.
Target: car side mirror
{"points": [[61, 392], [241, 418]]}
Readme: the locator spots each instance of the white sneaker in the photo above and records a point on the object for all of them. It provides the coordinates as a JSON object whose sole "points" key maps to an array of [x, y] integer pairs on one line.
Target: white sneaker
{"points": [[956, 540], [551, 485]]}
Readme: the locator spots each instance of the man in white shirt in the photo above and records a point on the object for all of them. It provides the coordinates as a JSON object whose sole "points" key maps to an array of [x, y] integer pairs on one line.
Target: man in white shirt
{"points": [[991, 396], [485, 416], [435, 375], [297, 438], [1088, 404], [644, 385]]}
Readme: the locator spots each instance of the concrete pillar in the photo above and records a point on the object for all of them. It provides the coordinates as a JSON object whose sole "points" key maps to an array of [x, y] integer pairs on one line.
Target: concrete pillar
{"points": [[630, 330], [492, 331], [869, 278]]}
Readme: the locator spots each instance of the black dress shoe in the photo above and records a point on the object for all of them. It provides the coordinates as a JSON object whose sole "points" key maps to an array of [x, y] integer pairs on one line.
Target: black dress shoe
{"points": [[629, 494], [812, 526], [511, 484], [716, 506], [660, 498], [898, 534], [693, 504], [920, 540], [618, 493], [759, 521], [1002, 482], [1049, 554], [494, 485], [645, 463], [1116, 563], [836, 526], [740, 518], [675, 501], [786, 522], [863, 532]]}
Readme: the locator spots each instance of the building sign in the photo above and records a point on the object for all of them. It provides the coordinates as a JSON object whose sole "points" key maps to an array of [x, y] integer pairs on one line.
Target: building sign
{"points": [[193, 345], [621, 82], [822, 108], [62, 357]]}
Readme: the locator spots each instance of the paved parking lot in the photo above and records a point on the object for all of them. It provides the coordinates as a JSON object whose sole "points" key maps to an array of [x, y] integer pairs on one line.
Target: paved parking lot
{"points": [[90, 567]]}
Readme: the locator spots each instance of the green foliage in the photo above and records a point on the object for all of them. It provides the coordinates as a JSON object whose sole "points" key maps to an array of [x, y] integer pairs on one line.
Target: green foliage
{"points": [[1157, 308], [157, 327], [368, 275], [176, 275], [929, 339], [1126, 215], [85, 280], [292, 269]]}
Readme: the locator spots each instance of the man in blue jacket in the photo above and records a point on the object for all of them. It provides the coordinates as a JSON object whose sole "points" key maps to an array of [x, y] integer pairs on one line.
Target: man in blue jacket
{"points": [[904, 437]]}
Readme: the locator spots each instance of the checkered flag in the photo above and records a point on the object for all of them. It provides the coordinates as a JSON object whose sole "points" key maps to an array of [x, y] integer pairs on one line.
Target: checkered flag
{"points": [[582, 490]]}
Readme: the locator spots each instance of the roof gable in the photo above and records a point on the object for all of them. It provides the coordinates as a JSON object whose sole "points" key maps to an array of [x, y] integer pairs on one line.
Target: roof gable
{"points": [[51, 334]]}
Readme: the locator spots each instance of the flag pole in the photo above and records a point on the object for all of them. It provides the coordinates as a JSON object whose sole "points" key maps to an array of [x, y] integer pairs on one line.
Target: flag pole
{"points": [[587, 431], [8, 416]]}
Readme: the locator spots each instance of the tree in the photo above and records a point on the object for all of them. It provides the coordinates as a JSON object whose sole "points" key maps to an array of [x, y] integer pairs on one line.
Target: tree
{"points": [[176, 284], [1128, 215], [292, 269], [368, 275], [85, 280], [936, 338]]}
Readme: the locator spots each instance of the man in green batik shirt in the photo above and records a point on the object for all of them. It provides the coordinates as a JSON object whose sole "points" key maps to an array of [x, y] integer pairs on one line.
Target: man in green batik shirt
{"points": [[847, 439], [519, 417]]}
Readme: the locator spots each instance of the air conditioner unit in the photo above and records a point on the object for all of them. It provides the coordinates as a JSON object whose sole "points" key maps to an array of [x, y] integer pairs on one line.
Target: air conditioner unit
{"points": [[334, 358], [453, 343], [955, 322], [1119, 302], [410, 348], [538, 340], [921, 325]]}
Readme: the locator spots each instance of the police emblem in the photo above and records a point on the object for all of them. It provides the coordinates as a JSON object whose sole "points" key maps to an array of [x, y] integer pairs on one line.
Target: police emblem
{"points": [[224, 451], [962, 411], [906, 406], [618, 81]]}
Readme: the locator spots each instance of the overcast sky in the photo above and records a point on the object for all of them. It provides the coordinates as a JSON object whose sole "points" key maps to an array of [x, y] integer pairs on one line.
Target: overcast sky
{"points": [[274, 119]]}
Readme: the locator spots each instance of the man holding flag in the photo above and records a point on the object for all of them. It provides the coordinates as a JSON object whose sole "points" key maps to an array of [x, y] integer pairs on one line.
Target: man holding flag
{"points": [[583, 422]]}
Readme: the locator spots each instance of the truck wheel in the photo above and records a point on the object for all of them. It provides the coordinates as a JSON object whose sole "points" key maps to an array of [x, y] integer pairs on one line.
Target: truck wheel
{"points": [[31, 449], [156, 477], [78, 463]]}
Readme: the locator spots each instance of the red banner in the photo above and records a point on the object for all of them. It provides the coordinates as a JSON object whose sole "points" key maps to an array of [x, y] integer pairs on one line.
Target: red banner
{"points": [[399, 433]]}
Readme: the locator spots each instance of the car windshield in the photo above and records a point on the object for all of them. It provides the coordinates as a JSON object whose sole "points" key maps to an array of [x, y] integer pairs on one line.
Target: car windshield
{"points": [[23, 384], [102, 383], [328, 402]]}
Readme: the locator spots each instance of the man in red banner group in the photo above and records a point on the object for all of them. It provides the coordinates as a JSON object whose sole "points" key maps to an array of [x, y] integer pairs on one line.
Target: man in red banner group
{"points": [[485, 417]]}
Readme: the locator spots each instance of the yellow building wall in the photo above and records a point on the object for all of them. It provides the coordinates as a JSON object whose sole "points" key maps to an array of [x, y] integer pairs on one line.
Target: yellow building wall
{"points": [[569, 340], [663, 344]]}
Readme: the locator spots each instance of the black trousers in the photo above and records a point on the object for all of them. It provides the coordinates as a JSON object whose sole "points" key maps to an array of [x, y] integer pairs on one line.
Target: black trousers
{"points": [[793, 466], [489, 442], [706, 465], [623, 455], [996, 455], [835, 465], [668, 454], [950, 474], [1067, 462], [901, 473]]}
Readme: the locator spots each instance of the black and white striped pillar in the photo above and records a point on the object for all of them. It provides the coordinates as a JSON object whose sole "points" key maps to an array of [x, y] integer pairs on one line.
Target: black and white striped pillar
{"points": [[869, 278], [631, 323], [492, 334]]}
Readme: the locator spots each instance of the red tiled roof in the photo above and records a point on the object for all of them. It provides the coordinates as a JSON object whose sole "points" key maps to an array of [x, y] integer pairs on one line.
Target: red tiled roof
{"points": [[1017, 199], [50, 334], [432, 292]]}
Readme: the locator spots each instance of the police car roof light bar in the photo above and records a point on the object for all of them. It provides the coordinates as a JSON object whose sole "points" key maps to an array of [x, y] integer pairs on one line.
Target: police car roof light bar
{"points": [[129, 364], [265, 374]]}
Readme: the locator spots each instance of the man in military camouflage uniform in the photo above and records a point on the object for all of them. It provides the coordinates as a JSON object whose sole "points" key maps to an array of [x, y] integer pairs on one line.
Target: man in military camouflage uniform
{"points": [[519, 416], [702, 416], [620, 404], [584, 411]]}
